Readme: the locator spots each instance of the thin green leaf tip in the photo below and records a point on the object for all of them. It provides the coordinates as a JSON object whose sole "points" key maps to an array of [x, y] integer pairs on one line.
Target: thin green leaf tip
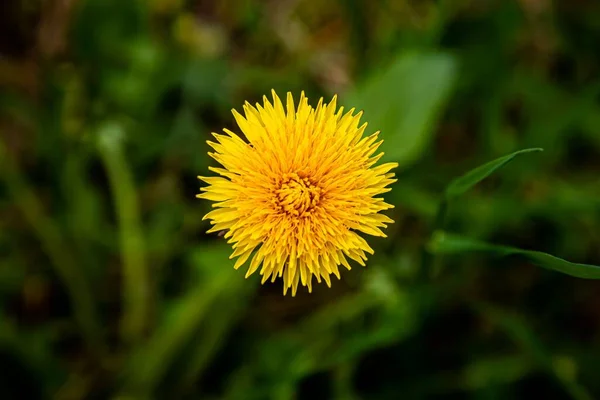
{"points": [[460, 185]]}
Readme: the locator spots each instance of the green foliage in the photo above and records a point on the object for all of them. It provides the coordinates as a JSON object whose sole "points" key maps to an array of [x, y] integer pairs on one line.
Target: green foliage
{"points": [[444, 243], [109, 287], [404, 101], [150, 363], [136, 283], [460, 185]]}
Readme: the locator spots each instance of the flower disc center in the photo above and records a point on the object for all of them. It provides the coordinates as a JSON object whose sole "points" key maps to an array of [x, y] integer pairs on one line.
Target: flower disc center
{"points": [[297, 195]]}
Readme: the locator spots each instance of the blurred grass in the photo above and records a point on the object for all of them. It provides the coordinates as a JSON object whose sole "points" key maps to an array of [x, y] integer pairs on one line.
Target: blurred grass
{"points": [[109, 287], [137, 300]]}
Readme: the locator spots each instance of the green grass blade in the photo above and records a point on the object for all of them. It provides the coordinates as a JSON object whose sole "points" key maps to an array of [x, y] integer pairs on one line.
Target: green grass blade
{"points": [[136, 279], [445, 243], [206, 345], [153, 359], [462, 184], [457, 187]]}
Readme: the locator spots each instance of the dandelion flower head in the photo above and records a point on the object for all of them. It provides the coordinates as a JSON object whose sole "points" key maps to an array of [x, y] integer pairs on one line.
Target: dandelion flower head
{"points": [[297, 190]]}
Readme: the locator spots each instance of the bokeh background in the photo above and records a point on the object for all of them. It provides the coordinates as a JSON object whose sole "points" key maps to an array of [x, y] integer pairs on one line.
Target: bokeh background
{"points": [[109, 287]]}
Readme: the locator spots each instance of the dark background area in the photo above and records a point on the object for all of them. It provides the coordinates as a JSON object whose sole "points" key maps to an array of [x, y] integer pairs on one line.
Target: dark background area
{"points": [[109, 287]]}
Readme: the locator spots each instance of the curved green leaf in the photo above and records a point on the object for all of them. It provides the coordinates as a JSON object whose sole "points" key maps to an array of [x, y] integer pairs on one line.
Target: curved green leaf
{"points": [[459, 186], [473, 177], [446, 243]]}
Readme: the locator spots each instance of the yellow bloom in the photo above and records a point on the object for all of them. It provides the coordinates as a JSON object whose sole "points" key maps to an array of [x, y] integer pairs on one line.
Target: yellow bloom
{"points": [[294, 195]]}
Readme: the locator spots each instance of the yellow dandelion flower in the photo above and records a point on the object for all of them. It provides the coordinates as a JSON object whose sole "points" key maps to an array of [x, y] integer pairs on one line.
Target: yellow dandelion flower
{"points": [[295, 195]]}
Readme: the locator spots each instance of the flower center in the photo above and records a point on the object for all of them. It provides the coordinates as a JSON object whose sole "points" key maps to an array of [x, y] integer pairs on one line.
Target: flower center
{"points": [[297, 196]]}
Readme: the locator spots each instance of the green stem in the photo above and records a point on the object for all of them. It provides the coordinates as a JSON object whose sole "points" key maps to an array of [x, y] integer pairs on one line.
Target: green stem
{"points": [[136, 279], [439, 222], [61, 258]]}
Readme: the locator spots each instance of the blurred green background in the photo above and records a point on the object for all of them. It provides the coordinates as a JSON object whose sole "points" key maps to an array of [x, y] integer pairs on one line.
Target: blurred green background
{"points": [[109, 287]]}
